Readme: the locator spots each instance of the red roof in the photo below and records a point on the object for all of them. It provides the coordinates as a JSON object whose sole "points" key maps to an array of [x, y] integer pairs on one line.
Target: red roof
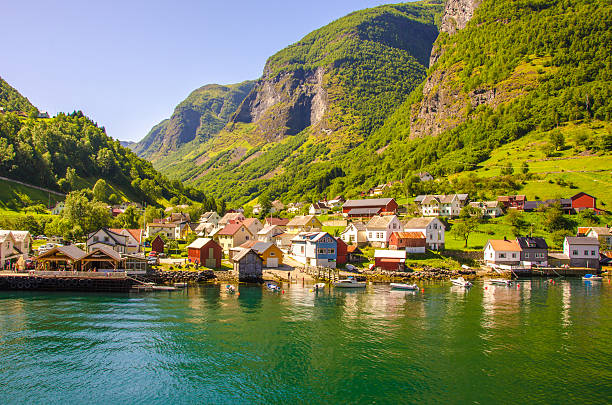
{"points": [[277, 221], [231, 229], [352, 249]]}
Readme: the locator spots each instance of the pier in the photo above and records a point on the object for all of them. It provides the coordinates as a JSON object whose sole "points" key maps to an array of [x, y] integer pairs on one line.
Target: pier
{"points": [[67, 281]]}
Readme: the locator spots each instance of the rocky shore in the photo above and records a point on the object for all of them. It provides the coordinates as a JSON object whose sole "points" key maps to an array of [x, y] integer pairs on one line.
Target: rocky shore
{"points": [[427, 273], [180, 276]]}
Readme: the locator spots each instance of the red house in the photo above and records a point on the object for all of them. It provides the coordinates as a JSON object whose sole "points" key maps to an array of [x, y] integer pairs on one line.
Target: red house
{"points": [[583, 201], [341, 251], [512, 201], [370, 207], [206, 252], [158, 244], [391, 260], [414, 242]]}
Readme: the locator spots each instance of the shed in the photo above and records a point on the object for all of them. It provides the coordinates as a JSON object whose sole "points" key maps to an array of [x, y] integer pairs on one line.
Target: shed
{"points": [[158, 244], [249, 266], [206, 252], [412, 242], [341, 250], [354, 254], [391, 260]]}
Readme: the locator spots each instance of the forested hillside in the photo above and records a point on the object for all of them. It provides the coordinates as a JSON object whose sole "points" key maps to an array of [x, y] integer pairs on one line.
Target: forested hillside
{"points": [[12, 100]]}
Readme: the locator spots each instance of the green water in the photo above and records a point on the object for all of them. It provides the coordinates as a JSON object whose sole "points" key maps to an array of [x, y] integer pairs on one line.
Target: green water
{"points": [[539, 343]]}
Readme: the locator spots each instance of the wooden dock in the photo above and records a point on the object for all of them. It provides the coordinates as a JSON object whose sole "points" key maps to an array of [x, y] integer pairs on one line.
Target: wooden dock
{"points": [[66, 281]]}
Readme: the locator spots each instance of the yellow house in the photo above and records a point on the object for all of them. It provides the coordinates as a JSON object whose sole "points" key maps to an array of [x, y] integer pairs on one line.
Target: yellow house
{"points": [[271, 254], [233, 235], [305, 223]]}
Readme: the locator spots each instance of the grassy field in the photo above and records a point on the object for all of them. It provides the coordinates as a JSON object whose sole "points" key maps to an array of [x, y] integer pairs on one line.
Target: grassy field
{"points": [[13, 191]]}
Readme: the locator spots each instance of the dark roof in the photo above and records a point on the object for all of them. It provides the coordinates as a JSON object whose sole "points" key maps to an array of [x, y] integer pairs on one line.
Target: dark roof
{"points": [[102, 251], [73, 252], [579, 240], [364, 211], [373, 202], [527, 242], [238, 256]]}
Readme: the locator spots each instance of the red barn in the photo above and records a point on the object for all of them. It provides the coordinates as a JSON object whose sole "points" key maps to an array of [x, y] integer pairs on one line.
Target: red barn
{"points": [[370, 207], [206, 252], [413, 242], [341, 252], [582, 201], [158, 245], [391, 260]]}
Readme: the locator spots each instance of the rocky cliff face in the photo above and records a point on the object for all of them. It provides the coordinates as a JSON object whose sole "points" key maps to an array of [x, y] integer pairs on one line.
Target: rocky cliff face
{"points": [[285, 104], [457, 13]]}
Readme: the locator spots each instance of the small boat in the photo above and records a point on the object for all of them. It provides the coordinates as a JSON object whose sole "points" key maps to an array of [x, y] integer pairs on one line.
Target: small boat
{"points": [[180, 285], [460, 281], [230, 288], [501, 281], [319, 286], [592, 277], [273, 287], [349, 283], [402, 286]]}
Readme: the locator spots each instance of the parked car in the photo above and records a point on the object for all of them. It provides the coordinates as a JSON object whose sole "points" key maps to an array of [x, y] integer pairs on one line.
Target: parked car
{"points": [[152, 254]]}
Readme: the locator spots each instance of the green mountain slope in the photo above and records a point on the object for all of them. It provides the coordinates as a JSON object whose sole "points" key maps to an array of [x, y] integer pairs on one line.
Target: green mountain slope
{"points": [[12, 100], [201, 115]]}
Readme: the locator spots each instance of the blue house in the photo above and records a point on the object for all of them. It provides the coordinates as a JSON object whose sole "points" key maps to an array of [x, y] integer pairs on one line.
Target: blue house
{"points": [[315, 249]]}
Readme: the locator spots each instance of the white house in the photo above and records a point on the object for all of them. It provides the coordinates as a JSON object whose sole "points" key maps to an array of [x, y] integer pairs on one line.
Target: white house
{"points": [[268, 232], [210, 217], [491, 209], [502, 251], [8, 250], [602, 233], [108, 238], [582, 251], [355, 233], [431, 227], [23, 241], [134, 238], [318, 208], [58, 208], [380, 228], [441, 206]]}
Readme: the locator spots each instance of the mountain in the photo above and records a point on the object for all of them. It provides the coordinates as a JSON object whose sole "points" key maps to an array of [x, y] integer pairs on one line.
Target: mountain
{"points": [[12, 100], [202, 114], [379, 95], [324, 94]]}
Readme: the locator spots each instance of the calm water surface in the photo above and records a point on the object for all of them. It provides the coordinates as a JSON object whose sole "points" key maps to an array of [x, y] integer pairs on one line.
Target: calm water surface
{"points": [[539, 343]]}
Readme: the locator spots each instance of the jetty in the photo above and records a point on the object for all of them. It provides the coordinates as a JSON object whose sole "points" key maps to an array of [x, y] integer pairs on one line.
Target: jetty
{"points": [[68, 281]]}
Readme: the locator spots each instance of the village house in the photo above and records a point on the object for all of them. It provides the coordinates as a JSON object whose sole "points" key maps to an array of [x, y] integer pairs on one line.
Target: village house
{"points": [[58, 208], [431, 227], [283, 241], [134, 239], [231, 217], [204, 229], [534, 251], [205, 252], [306, 223], [489, 209], [9, 253], [582, 201], [390, 260], [355, 234], [582, 251], [249, 266], [232, 235], [341, 252], [380, 228], [369, 208], [210, 217], [411, 242], [106, 237], [336, 202], [271, 254], [441, 206], [502, 252], [603, 234], [158, 245], [318, 208], [295, 207], [268, 232], [253, 224], [280, 222], [425, 176], [23, 242], [315, 249], [512, 201], [169, 230], [354, 254]]}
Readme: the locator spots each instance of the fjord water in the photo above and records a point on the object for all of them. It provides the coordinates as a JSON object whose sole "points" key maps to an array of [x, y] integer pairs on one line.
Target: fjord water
{"points": [[538, 343]]}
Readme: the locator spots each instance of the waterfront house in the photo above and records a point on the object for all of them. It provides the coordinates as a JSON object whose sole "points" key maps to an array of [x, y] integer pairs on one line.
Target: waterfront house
{"points": [[534, 251], [249, 266], [306, 223], [315, 249], [502, 252], [58, 208], [271, 254], [431, 227], [253, 224], [101, 259], [341, 252], [8, 250], [268, 232], [134, 238], [603, 234], [60, 258], [355, 233], [489, 209], [232, 235], [582, 251], [106, 237], [369, 208], [205, 252], [411, 242], [390, 260], [230, 217], [512, 201], [380, 228], [158, 245], [23, 242]]}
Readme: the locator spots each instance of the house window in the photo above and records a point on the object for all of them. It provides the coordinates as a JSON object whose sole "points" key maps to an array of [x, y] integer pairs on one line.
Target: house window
{"points": [[332, 251], [592, 253], [106, 239], [370, 235], [586, 252], [211, 252], [514, 255], [527, 255], [321, 251], [574, 252], [502, 255], [301, 249], [272, 254], [435, 226]]}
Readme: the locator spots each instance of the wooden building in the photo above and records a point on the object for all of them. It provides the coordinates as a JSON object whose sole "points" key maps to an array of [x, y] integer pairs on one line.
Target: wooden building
{"points": [[412, 242], [206, 252], [249, 266], [341, 252], [158, 244], [61, 258], [101, 259], [390, 260]]}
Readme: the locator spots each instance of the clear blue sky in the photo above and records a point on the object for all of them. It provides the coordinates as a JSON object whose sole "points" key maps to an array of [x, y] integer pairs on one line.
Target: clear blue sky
{"points": [[127, 64]]}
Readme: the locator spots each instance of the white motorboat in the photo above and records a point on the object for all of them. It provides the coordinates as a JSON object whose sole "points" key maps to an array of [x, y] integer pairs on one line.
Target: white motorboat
{"points": [[592, 277], [460, 281], [319, 286], [349, 283], [501, 281], [180, 285], [402, 286]]}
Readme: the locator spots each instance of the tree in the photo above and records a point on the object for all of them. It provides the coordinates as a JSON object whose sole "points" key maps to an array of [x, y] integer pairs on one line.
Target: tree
{"points": [[101, 190], [517, 222], [152, 213], [554, 220], [524, 168], [557, 139], [265, 204], [130, 219], [463, 228]]}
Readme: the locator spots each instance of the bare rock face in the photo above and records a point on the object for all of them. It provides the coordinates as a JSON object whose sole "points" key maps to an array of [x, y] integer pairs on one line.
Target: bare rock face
{"points": [[457, 13], [285, 104]]}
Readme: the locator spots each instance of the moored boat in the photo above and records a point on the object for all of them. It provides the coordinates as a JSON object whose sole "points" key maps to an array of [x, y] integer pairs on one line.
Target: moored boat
{"points": [[460, 281], [501, 281], [180, 285], [592, 277], [402, 286], [273, 287], [349, 283], [230, 288]]}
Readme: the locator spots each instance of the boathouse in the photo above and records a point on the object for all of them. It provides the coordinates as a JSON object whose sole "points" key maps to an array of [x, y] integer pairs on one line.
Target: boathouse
{"points": [[67, 258], [249, 266], [206, 252], [390, 260]]}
